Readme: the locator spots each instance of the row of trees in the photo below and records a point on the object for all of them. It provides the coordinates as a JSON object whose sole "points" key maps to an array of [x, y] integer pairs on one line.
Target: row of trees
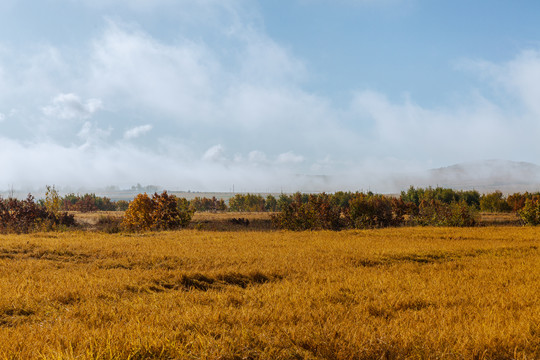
{"points": [[82, 203], [341, 210], [497, 202], [242, 203], [492, 202], [23, 216], [367, 210], [91, 202]]}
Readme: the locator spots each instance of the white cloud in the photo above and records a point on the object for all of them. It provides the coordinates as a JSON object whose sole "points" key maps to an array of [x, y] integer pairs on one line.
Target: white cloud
{"points": [[2, 117], [137, 131], [134, 69], [520, 77], [407, 130], [92, 135], [70, 106], [257, 157], [289, 158], [245, 93], [214, 154]]}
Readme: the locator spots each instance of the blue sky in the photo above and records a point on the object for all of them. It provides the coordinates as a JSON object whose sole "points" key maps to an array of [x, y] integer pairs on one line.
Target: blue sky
{"points": [[265, 95]]}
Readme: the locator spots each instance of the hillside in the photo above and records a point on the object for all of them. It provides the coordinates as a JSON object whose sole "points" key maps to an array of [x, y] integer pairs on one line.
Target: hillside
{"points": [[489, 175]]}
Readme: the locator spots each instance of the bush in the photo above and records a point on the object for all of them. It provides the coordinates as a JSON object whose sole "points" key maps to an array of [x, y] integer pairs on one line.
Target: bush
{"points": [[517, 201], [161, 212], [167, 214], [91, 203], [283, 201], [444, 195], [247, 203], [139, 215], [318, 213], [206, 204], [24, 216], [270, 204], [339, 211], [375, 211], [494, 202], [122, 205], [437, 213], [530, 213], [109, 224]]}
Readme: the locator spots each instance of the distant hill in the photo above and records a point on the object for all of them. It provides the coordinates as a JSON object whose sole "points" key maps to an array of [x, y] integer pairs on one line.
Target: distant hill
{"points": [[488, 175]]}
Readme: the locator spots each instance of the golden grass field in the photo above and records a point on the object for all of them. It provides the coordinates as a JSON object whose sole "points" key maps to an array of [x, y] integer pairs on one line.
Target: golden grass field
{"points": [[405, 293]]}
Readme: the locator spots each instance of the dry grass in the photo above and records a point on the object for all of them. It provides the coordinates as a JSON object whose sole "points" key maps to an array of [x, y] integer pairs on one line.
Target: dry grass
{"points": [[384, 294], [223, 221], [259, 221], [493, 219], [202, 216], [88, 220]]}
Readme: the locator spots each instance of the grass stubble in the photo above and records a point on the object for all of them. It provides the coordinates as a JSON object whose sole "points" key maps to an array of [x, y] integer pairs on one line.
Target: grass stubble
{"points": [[440, 293]]}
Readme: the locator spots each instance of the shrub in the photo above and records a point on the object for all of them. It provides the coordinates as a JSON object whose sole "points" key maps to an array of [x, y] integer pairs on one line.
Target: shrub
{"points": [[161, 212], [122, 205], [437, 213], [247, 202], [283, 201], [109, 224], [494, 202], [517, 201], [444, 195], [206, 204], [167, 214], [461, 215], [65, 219], [23, 216], [270, 204], [87, 203], [375, 211], [90, 203], [339, 211], [316, 214], [530, 213], [52, 200], [104, 203], [139, 215], [342, 199]]}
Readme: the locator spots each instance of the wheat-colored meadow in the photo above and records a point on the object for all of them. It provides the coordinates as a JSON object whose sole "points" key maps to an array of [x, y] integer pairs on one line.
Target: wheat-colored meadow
{"points": [[440, 293]]}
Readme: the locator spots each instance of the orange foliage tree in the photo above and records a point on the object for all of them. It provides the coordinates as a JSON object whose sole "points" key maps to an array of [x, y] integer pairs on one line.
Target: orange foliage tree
{"points": [[160, 212]]}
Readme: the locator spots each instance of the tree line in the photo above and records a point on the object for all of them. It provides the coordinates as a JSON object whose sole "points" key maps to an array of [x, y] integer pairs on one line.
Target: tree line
{"points": [[341, 210]]}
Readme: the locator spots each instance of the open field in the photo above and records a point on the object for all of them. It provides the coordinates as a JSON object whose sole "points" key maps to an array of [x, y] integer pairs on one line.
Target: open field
{"points": [[219, 221], [445, 293], [260, 221]]}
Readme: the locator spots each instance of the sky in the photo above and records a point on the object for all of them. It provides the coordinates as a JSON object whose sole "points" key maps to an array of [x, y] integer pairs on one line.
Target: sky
{"points": [[263, 95]]}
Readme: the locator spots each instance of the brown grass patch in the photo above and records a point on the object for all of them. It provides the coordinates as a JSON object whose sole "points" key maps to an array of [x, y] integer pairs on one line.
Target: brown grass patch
{"points": [[405, 293]]}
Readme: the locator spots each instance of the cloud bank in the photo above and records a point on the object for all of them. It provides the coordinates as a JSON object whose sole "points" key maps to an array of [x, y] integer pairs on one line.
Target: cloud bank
{"points": [[237, 113]]}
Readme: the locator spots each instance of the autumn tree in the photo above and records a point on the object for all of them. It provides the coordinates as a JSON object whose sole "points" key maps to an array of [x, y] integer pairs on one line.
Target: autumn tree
{"points": [[159, 212]]}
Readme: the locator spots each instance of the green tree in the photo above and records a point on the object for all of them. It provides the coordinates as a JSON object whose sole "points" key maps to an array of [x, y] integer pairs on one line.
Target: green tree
{"points": [[530, 213], [270, 204], [494, 202]]}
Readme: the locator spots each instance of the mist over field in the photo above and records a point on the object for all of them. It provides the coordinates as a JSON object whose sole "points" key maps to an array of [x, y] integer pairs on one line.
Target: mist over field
{"points": [[213, 95]]}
